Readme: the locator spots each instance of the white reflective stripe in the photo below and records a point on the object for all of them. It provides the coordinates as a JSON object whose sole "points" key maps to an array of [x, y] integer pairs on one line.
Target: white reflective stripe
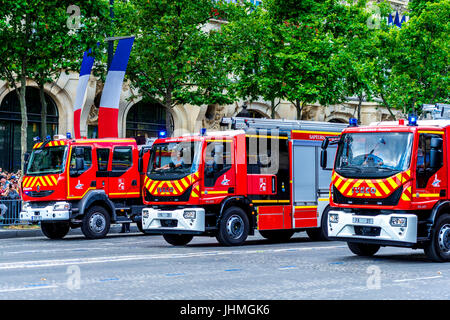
{"points": [[112, 90], [81, 92]]}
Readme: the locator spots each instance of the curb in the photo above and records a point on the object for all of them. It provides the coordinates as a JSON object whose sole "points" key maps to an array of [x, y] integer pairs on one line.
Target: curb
{"points": [[8, 234]]}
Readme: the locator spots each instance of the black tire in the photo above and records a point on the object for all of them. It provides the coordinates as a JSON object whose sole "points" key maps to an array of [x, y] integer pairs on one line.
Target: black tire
{"points": [[178, 239], [277, 235], [234, 227], [363, 249], [320, 234], [55, 230], [438, 248], [96, 223], [139, 226]]}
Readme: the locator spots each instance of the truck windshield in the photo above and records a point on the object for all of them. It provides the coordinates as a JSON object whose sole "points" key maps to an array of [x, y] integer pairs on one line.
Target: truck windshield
{"points": [[174, 160], [373, 154], [48, 160]]}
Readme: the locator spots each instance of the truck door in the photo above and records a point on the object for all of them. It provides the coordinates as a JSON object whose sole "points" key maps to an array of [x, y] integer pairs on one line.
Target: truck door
{"points": [[219, 173], [102, 169], [431, 184], [304, 184], [80, 181], [123, 177]]}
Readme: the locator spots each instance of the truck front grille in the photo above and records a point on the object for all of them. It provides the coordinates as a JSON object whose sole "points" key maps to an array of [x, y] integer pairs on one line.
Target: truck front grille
{"points": [[367, 231], [391, 200], [169, 223]]}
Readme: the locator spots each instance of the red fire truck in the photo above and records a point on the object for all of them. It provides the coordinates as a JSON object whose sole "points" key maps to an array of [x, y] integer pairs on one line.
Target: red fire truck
{"points": [[390, 186], [87, 183], [262, 174]]}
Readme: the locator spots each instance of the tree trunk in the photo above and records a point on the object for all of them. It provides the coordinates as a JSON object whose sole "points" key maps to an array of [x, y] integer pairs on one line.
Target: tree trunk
{"points": [[43, 111], [272, 109], [359, 108], [23, 112], [298, 108]]}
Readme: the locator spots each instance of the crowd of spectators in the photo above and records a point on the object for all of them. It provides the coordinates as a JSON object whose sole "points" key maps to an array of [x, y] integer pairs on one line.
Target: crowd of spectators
{"points": [[9, 185], [9, 190]]}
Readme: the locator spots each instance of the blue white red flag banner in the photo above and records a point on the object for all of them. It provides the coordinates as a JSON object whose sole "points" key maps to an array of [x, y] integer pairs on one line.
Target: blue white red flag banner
{"points": [[85, 73], [109, 103]]}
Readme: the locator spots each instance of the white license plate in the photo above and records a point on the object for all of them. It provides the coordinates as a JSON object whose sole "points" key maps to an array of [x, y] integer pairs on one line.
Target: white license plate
{"points": [[363, 220], [164, 214]]}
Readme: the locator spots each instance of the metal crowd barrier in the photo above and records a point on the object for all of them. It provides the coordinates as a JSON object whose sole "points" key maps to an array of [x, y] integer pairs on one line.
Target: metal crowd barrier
{"points": [[10, 212]]}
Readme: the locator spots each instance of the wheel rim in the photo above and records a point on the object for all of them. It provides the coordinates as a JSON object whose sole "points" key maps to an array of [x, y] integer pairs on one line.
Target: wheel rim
{"points": [[97, 222], [235, 227], [444, 239]]}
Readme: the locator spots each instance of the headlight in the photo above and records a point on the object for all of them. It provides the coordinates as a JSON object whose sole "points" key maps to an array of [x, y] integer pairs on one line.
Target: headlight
{"points": [[398, 222], [25, 206], [333, 218], [64, 206], [145, 214], [189, 214]]}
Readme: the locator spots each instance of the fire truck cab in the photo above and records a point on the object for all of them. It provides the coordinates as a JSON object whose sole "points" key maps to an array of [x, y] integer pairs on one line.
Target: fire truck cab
{"points": [[390, 187], [262, 174], [87, 183]]}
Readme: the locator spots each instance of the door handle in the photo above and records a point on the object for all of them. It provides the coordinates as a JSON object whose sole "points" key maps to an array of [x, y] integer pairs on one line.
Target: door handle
{"points": [[134, 183]]}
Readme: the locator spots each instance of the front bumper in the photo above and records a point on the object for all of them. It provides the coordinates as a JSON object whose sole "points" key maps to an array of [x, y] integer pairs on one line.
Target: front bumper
{"points": [[47, 213], [173, 221], [374, 229]]}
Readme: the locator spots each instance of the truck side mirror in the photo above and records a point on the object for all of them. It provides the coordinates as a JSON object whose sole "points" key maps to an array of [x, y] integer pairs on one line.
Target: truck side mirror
{"points": [[436, 153], [323, 159], [79, 164], [79, 152], [26, 157], [325, 143]]}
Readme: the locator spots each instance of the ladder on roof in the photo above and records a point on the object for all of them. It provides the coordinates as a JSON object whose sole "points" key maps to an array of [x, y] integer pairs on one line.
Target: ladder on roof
{"points": [[245, 124], [436, 111]]}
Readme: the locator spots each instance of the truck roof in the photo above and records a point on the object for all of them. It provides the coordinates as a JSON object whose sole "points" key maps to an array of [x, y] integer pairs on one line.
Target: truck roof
{"points": [[441, 123]]}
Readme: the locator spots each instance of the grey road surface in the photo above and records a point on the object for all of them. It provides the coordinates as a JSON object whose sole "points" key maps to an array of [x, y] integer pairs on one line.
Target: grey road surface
{"points": [[135, 266]]}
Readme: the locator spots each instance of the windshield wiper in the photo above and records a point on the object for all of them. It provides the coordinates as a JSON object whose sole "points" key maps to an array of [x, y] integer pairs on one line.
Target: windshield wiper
{"points": [[350, 168]]}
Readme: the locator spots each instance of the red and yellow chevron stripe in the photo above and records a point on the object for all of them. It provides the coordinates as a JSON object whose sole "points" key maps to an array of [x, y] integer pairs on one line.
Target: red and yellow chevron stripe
{"points": [[54, 143], [373, 188], [196, 191], [43, 181], [170, 187]]}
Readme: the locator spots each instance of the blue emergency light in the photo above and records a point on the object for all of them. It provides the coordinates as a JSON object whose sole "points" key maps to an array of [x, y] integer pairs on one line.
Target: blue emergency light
{"points": [[162, 134], [48, 138], [202, 131], [412, 120], [353, 122], [68, 135], [36, 139]]}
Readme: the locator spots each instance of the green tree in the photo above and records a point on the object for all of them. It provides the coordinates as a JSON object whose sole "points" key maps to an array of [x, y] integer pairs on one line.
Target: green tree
{"points": [[418, 64], [62, 41], [253, 55], [175, 60], [36, 43]]}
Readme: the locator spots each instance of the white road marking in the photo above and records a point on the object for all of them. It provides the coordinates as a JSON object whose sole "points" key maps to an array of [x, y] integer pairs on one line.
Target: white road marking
{"points": [[28, 288], [416, 279], [78, 261]]}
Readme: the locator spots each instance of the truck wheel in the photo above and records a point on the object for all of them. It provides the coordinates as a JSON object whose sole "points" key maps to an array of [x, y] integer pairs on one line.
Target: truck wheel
{"points": [[178, 239], [96, 223], [277, 235], [438, 248], [55, 230], [233, 228], [363, 249], [320, 234], [139, 226]]}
